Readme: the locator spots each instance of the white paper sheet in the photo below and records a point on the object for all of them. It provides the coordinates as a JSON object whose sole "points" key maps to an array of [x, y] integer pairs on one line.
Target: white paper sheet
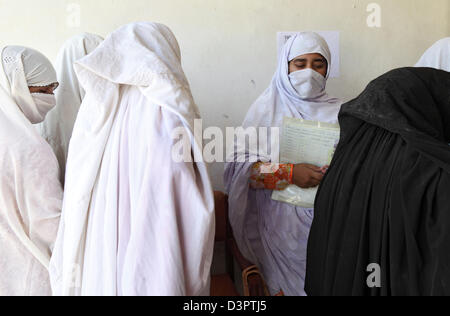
{"points": [[306, 142]]}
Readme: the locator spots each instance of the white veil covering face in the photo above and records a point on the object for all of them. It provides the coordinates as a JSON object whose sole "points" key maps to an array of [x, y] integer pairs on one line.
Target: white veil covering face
{"points": [[22, 68], [437, 56], [134, 221], [30, 192], [58, 125]]}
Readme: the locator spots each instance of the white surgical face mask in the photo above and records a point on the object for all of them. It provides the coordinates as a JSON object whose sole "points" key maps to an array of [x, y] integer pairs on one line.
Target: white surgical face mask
{"points": [[44, 104], [308, 83]]}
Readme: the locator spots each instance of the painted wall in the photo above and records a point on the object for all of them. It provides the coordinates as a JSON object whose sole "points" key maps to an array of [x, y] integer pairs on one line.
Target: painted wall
{"points": [[229, 46]]}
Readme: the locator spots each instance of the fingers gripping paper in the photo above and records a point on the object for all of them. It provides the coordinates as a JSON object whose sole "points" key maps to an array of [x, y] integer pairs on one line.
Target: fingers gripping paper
{"points": [[306, 142]]}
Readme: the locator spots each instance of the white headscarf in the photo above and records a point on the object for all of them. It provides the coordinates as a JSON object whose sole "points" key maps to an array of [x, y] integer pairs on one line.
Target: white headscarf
{"points": [[58, 125], [134, 221], [22, 68], [282, 100], [437, 56], [30, 192]]}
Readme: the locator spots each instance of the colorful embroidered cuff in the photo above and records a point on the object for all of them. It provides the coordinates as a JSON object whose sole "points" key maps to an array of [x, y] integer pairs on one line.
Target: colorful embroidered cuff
{"points": [[271, 176]]}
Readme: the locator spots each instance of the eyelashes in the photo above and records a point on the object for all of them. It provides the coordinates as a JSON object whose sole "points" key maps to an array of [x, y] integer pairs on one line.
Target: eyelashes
{"points": [[319, 66]]}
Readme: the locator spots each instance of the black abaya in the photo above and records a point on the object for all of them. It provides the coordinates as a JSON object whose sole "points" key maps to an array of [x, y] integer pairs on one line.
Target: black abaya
{"points": [[386, 197]]}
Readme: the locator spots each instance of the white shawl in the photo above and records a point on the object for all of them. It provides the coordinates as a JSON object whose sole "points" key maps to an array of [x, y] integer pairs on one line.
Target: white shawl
{"points": [[58, 125], [437, 56], [134, 222], [30, 192]]}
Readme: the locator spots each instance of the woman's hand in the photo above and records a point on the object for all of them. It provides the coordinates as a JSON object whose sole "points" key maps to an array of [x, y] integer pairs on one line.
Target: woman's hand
{"points": [[307, 176], [325, 169]]}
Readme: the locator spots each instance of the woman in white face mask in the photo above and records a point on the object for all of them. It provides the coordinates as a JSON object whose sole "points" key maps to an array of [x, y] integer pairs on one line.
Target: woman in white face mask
{"points": [[271, 233], [307, 74], [30, 81], [30, 192]]}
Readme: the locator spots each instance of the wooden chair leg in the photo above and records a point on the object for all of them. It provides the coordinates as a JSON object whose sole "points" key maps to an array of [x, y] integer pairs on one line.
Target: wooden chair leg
{"points": [[229, 262]]}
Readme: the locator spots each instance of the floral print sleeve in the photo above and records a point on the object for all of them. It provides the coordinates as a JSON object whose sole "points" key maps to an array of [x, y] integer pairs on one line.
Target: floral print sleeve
{"points": [[271, 176]]}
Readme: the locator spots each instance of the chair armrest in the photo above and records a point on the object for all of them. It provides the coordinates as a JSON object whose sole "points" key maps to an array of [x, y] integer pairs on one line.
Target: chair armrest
{"points": [[253, 282], [252, 279]]}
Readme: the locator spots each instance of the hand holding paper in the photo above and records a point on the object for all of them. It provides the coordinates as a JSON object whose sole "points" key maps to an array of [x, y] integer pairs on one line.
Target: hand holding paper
{"points": [[310, 145], [307, 176]]}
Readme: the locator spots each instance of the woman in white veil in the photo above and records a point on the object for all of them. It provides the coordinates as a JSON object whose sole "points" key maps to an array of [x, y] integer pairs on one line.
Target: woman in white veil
{"points": [[271, 233], [30, 191], [135, 221]]}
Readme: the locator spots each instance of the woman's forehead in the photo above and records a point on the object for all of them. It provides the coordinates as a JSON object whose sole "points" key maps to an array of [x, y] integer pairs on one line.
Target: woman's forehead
{"points": [[310, 56]]}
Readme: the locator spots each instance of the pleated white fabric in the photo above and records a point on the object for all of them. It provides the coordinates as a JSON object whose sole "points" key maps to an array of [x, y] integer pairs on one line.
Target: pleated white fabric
{"points": [[134, 221], [58, 125]]}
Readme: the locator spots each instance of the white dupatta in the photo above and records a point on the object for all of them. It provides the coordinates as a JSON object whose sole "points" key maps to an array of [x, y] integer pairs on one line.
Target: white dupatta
{"points": [[134, 221]]}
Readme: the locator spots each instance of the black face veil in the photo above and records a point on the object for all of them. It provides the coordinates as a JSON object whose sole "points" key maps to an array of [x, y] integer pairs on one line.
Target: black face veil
{"points": [[386, 197]]}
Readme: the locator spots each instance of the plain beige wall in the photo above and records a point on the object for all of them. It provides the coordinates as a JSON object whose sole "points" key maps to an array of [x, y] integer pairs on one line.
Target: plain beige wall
{"points": [[229, 46]]}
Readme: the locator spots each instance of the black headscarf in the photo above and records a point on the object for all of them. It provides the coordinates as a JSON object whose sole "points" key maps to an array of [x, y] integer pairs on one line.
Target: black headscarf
{"points": [[386, 197]]}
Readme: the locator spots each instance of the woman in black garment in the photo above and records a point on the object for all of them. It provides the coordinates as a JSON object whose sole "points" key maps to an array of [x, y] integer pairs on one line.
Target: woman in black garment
{"points": [[386, 197]]}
